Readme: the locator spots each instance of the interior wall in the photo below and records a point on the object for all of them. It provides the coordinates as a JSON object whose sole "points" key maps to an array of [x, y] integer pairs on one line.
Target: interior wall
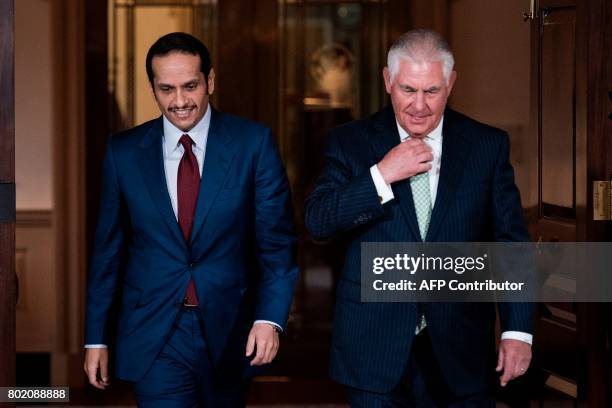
{"points": [[34, 108], [491, 44], [35, 126]]}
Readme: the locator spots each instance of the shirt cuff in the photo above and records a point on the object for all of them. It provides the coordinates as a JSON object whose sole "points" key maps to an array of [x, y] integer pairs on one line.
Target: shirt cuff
{"points": [[385, 194], [280, 329], [96, 346], [517, 335]]}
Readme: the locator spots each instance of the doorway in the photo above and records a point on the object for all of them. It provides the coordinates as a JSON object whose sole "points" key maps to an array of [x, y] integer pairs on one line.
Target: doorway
{"points": [[298, 67]]}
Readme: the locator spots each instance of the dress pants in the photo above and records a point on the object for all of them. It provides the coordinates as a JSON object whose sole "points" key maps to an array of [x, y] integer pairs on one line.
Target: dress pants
{"points": [[423, 385], [182, 374]]}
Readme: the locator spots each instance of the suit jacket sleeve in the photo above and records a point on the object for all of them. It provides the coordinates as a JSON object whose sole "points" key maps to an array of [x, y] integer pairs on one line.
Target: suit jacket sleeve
{"points": [[107, 254], [341, 199], [509, 226], [275, 236]]}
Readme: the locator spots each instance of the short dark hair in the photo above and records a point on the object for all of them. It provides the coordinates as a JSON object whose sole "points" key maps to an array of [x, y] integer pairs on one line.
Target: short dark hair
{"points": [[179, 42]]}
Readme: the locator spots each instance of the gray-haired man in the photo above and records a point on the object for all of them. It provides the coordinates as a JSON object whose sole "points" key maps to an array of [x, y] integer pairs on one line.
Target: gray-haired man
{"points": [[419, 171]]}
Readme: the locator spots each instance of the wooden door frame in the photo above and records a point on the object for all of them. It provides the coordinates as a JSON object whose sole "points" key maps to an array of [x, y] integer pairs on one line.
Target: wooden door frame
{"points": [[592, 163], [592, 54], [7, 193]]}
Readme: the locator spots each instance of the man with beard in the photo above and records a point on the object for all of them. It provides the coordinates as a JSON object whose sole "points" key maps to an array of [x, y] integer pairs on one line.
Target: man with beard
{"points": [[195, 231]]}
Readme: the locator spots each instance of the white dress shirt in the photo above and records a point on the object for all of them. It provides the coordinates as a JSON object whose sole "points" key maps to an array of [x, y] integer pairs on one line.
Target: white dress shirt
{"points": [[433, 140], [173, 153]]}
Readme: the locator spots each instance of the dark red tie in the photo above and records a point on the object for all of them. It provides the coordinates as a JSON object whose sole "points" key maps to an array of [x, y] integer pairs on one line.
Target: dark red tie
{"points": [[187, 192]]}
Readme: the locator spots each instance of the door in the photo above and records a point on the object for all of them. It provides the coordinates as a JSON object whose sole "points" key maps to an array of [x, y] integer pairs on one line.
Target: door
{"points": [[571, 150], [7, 195]]}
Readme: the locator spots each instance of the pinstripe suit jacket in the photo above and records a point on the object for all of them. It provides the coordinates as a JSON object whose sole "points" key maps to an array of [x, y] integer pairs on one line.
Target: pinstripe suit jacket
{"points": [[477, 201]]}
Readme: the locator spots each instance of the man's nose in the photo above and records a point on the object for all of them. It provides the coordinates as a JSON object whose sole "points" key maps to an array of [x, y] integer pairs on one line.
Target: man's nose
{"points": [[181, 100], [419, 101]]}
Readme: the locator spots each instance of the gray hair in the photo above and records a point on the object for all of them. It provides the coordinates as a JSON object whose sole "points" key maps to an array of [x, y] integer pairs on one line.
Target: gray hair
{"points": [[420, 45]]}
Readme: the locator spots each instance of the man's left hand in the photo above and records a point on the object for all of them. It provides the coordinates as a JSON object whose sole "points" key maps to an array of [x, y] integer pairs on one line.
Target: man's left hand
{"points": [[263, 338], [514, 358]]}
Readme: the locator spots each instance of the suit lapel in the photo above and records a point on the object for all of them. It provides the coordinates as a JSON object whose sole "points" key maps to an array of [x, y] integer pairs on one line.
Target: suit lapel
{"points": [[454, 153], [385, 137], [151, 163], [217, 162]]}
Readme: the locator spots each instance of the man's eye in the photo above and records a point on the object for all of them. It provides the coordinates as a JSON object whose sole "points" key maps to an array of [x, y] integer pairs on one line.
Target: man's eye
{"points": [[192, 86]]}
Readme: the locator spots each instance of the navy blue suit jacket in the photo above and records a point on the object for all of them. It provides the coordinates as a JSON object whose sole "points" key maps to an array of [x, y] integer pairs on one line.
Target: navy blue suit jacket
{"points": [[241, 255], [477, 201]]}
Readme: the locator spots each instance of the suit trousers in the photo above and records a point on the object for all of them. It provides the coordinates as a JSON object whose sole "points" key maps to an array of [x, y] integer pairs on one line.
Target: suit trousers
{"points": [[422, 386], [182, 374]]}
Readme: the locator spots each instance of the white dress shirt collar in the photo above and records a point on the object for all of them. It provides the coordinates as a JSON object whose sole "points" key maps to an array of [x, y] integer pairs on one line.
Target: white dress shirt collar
{"points": [[435, 135], [198, 133]]}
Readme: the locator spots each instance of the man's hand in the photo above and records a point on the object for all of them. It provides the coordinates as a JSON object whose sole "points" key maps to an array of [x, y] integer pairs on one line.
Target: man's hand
{"points": [[405, 160], [264, 337], [97, 359], [514, 358]]}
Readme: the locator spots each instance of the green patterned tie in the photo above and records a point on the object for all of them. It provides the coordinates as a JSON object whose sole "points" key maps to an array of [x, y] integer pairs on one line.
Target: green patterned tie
{"points": [[422, 201], [422, 205]]}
